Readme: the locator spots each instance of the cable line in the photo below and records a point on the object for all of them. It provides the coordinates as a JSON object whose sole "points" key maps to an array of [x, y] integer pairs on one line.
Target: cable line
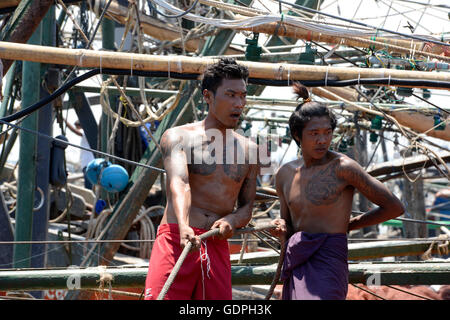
{"points": [[364, 24]]}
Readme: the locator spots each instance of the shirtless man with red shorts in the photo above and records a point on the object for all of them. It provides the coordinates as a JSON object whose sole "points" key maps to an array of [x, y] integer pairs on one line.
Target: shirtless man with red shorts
{"points": [[316, 194], [209, 168]]}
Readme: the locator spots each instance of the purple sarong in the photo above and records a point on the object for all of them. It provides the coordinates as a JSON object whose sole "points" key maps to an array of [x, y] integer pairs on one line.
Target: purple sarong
{"points": [[315, 267]]}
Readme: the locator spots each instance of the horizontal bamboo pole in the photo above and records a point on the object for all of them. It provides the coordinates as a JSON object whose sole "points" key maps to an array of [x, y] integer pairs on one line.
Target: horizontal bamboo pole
{"points": [[356, 251], [196, 65], [134, 277]]}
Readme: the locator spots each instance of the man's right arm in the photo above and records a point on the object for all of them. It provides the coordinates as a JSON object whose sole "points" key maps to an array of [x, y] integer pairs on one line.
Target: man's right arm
{"points": [[179, 191], [73, 129], [287, 228]]}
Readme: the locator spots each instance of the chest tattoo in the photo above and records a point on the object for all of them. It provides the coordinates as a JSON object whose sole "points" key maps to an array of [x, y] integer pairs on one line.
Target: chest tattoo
{"points": [[322, 188], [233, 166]]}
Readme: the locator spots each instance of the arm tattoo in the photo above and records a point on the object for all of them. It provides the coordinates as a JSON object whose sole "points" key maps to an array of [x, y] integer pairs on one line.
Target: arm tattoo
{"points": [[362, 183], [168, 145], [322, 188]]}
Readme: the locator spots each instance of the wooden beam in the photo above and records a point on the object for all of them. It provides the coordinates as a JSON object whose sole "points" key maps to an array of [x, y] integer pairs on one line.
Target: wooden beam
{"points": [[407, 164], [421, 123], [24, 21]]}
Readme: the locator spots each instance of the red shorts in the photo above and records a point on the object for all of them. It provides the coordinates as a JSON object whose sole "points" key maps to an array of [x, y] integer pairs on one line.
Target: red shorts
{"points": [[204, 275]]}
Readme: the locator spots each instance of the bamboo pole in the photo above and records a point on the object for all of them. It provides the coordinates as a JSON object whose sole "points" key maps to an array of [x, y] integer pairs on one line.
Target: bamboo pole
{"points": [[421, 123], [390, 44], [183, 64], [414, 273], [346, 93]]}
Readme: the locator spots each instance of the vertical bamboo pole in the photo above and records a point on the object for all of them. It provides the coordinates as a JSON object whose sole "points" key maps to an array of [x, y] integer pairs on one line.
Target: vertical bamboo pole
{"points": [[27, 162]]}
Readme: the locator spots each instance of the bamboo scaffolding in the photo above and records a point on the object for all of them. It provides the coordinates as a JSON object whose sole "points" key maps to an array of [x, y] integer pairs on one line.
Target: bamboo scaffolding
{"points": [[183, 64], [414, 273]]}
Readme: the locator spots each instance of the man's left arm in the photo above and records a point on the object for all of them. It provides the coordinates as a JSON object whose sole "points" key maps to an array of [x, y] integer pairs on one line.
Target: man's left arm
{"points": [[389, 206]]}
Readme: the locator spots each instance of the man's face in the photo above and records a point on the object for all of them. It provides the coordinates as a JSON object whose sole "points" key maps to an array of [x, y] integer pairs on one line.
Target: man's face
{"points": [[316, 137], [227, 104]]}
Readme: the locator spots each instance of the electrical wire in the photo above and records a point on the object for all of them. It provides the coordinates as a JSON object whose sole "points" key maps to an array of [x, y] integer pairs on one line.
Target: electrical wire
{"points": [[364, 24], [63, 142], [432, 104], [426, 4], [153, 8], [266, 18]]}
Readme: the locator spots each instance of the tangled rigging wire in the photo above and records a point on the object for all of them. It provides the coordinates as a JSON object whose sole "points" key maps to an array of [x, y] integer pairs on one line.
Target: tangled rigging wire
{"points": [[194, 76], [176, 16]]}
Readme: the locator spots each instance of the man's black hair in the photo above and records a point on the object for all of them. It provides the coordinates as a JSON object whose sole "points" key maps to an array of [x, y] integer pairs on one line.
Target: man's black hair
{"points": [[304, 113], [225, 68]]}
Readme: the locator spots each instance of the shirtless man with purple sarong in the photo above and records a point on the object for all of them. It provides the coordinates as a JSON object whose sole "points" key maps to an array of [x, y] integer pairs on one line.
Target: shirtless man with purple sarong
{"points": [[316, 194]]}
